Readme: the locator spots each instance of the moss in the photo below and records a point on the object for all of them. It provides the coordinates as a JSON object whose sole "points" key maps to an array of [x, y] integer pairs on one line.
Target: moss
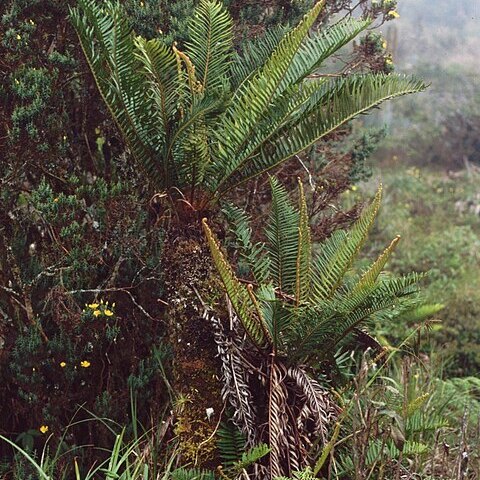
{"points": [[192, 285]]}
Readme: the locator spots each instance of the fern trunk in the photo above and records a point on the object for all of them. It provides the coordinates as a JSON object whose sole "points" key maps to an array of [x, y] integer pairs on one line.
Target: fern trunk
{"points": [[191, 285]]}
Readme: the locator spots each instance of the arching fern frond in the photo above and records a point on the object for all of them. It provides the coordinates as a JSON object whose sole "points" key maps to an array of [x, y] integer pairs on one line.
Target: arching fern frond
{"points": [[238, 293], [321, 45], [339, 102], [107, 42]]}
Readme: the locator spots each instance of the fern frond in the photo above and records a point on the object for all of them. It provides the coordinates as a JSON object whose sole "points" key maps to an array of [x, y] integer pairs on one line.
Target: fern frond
{"points": [[230, 443], [277, 318], [304, 255], [237, 292], [254, 54], [160, 67], [107, 42], [338, 102], [370, 276], [321, 327], [192, 474], [254, 254], [211, 43], [253, 99], [250, 457], [420, 422], [320, 46], [339, 252], [282, 233]]}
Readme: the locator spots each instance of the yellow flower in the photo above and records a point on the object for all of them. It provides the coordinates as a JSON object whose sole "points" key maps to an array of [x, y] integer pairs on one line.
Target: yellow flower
{"points": [[85, 363], [63, 364], [96, 313], [44, 428], [384, 44], [108, 313], [354, 188], [19, 37], [393, 14], [93, 306]]}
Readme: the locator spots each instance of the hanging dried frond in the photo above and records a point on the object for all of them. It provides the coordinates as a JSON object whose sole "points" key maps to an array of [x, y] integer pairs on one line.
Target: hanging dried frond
{"points": [[235, 378]]}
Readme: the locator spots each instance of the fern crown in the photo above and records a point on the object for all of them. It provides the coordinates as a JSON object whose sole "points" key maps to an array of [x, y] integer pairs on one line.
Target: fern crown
{"points": [[300, 303], [203, 119]]}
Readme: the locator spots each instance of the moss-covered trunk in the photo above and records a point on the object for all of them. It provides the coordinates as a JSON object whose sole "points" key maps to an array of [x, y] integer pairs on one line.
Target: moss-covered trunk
{"points": [[191, 284]]}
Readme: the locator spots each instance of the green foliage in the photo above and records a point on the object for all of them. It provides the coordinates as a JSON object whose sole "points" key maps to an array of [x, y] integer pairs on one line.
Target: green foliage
{"points": [[306, 307], [202, 137]]}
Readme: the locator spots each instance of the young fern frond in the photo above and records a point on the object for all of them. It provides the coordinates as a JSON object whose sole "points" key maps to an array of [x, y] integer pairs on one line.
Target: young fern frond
{"points": [[370, 276], [237, 292], [339, 252], [211, 43], [282, 233]]}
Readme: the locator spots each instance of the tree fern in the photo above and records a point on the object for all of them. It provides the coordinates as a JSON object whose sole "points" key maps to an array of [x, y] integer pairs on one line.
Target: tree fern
{"points": [[198, 124], [305, 309]]}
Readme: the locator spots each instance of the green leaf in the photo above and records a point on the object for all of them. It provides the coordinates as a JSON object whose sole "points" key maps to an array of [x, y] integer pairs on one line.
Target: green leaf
{"points": [[253, 99], [242, 300], [282, 234], [211, 42], [339, 252], [107, 42], [335, 103], [304, 255]]}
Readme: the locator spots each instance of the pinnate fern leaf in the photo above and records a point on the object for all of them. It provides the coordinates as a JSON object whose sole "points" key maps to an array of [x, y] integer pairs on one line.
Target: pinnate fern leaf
{"points": [[282, 233], [211, 42], [242, 300], [107, 42], [339, 252]]}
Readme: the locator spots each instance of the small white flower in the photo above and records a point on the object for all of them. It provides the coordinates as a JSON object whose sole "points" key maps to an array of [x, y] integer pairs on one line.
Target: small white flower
{"points": [[209, 411]]}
